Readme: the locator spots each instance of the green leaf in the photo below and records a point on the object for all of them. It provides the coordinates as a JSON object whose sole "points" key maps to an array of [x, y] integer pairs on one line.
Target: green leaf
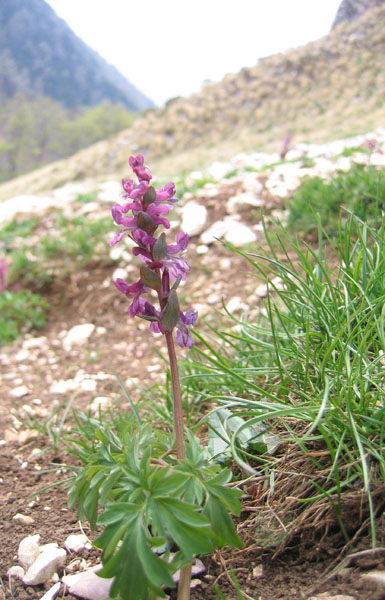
{"points": [[109, 484], [159, 250], [150, 278], [221, 523], [229, 497], [157, 570], [177, 282], [223, 424], [196, 538], [109, 539], [171, 312], [117, 511], [90, 506]]}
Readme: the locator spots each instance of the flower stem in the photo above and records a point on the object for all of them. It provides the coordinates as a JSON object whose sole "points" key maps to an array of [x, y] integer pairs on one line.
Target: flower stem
{"points": [[185, 573], [178, 417]]}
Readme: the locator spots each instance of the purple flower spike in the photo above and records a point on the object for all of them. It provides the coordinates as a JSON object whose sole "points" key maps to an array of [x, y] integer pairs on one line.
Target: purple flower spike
{"points": [[183, 334], [140, 217]]}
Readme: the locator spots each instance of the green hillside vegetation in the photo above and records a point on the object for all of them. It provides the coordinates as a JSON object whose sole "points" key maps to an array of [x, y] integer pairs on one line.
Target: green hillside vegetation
{"points": [[328, 89], [38, 131]]}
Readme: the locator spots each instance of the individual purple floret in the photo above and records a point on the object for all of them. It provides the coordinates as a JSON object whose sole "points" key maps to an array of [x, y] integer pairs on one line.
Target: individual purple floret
{"points": [[183, 334], [163, 262]]}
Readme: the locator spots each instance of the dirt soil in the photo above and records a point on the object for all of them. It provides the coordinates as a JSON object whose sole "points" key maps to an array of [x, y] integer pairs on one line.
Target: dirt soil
{"points": [[40, 362]]}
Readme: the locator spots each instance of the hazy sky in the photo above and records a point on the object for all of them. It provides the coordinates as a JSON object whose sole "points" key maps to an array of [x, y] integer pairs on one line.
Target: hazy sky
{"points": [[168, 48]]}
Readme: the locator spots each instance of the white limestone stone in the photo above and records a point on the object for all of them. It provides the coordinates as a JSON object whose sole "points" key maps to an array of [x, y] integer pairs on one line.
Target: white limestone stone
{"points": [[16, 571], [19, 392], [52, 593], [119, 274], [110, 191], [28, 550], [240, 235], [45, 566], [36, 342], [217, 230], [23, 519], [202, 249], [194, 218], [77, 542], [88, 585], [78, 334], [240, 200], [63, 386]]}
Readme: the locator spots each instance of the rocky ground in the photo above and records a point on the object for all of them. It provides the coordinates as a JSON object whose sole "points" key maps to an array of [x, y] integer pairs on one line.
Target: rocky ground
{"points": [[88, 332]]}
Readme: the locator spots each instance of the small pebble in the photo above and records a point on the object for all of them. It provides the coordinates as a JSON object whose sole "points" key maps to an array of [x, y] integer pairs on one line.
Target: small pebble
{"points": [[23, 519], [19, 392], [16, 571]]}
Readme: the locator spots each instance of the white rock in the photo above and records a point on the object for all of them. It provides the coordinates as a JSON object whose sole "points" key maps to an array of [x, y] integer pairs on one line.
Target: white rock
{"points": [[88, 385], [217, 230], [376, 576], [88, 585], [75, 543], [196, 569], [49, 547], [116, 252], [225, 263], [119, 274], [246, 199], [378, 160], [196, 175], [194, 218], [218, 170], [78, 334], [19, 392], [344, 163], [62, 387], [24, 204], [68, 192], [213, 298], [23, 519], [16, 571], [252, 184], [36, 342], [110, 191], [101, 402], [45, 566], [324, 166], [202, 249], [28, 550], [52, 593], [331, 596], [240, 235], [234, 304], [257, 571], [22, 356]]}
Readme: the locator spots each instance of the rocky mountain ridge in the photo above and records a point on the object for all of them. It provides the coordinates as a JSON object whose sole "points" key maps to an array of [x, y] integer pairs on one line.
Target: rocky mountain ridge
{"points": [[40, 55], [351, 10]]}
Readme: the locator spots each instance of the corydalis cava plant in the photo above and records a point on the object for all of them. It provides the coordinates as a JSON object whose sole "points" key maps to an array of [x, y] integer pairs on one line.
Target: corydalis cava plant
{"points": [[164, 267], [152, 501]]}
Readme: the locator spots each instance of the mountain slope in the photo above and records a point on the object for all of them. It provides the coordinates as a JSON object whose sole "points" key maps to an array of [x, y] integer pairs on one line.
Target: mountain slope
{"points": [[351, 10], [40, 55], [328, 89]]}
